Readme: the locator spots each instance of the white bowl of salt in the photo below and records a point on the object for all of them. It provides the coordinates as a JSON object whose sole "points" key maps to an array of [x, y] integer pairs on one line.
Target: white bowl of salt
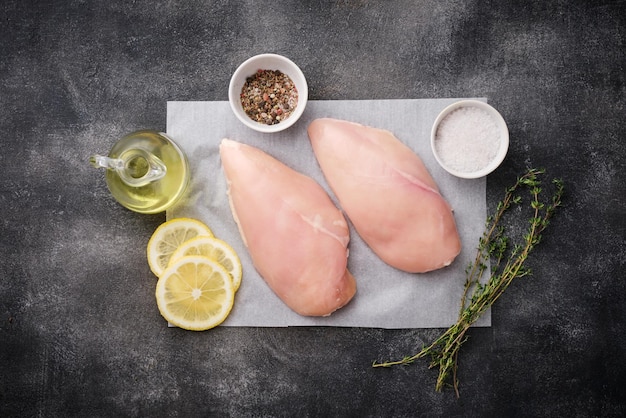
{"points": [[469, 139]]}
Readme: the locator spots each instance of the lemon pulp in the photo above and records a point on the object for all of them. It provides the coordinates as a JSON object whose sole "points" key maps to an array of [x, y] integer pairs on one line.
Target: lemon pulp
{"points": [[168, 237], [195, 293], [216, 250]]}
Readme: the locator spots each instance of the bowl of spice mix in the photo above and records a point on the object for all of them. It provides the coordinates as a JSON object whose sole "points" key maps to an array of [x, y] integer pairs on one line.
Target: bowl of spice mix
{"points": [[268, 93], [469, 139]]}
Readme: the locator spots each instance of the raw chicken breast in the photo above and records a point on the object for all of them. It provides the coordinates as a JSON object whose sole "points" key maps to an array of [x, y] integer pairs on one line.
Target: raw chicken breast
{"points": [[387, 193], [295, 235]]}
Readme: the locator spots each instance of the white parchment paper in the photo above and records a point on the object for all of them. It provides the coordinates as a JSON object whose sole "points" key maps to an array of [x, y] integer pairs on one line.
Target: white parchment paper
{"points": [[386, 297]]}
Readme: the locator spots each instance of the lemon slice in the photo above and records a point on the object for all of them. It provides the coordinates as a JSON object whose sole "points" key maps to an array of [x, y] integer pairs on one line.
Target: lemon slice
{"points": [[168, 237], [195, 293], [216, 250]]}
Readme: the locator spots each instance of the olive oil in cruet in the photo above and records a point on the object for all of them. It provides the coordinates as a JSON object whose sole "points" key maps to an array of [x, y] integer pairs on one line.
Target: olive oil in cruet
{"points": [[146, 171]]}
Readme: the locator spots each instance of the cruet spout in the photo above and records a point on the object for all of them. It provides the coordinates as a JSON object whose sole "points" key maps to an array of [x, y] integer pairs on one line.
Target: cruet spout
{"points": [[135, 167], [100, 161]]}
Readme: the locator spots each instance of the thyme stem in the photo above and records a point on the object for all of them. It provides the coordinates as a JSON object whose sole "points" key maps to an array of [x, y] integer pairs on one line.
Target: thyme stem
{"points": [[493, 246]]}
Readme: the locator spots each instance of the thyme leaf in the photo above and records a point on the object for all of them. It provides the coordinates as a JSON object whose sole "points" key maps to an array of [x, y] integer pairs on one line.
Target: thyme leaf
{"points": [[507, 264]]}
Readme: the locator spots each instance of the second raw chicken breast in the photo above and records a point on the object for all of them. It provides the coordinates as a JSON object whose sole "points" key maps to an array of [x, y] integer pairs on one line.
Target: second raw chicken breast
{"points": [[388, 194], [295, 235]]}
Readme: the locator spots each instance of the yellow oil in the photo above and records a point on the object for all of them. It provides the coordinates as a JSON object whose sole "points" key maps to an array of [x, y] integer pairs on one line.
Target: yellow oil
{"points": [[158, 195]]}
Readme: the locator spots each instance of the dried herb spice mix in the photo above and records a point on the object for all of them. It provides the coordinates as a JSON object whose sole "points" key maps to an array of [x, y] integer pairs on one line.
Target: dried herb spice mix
{"points": [[269, 96]]}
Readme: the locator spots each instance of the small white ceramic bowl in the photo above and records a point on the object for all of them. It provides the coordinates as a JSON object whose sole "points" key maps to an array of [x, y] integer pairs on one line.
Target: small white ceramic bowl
{"points": [[267, 62], [481, 124]]}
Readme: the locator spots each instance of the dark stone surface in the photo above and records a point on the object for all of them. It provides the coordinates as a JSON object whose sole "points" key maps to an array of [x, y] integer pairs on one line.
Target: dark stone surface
{"points": [[80, 333]]}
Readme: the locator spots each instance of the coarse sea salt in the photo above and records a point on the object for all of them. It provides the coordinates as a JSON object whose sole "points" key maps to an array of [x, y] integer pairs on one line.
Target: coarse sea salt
{"points": [[467, 139]]}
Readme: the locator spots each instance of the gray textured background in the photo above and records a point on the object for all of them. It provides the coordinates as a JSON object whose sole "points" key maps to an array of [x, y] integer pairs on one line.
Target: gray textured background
{"points": [[80, 334]]}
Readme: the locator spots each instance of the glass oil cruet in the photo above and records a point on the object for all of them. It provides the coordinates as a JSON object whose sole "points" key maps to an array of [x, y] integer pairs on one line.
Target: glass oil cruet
{"points": [[145, 171]]}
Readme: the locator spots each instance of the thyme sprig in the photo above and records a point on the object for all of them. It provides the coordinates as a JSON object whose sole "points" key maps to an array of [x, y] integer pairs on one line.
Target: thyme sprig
{"points": [[507, 264]]}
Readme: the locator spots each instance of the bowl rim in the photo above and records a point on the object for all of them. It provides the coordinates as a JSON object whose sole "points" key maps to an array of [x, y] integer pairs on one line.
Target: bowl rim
{"points": [[504, 138], [243, 71]]}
